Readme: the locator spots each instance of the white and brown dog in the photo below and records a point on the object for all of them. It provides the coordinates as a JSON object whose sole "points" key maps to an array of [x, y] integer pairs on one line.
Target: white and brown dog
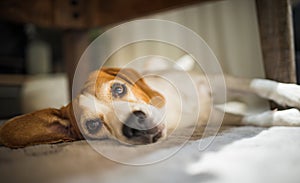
{"points": [[120, 104]]}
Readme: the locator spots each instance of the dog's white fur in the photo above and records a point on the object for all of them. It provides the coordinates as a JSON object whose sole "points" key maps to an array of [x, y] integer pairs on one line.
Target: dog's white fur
{"points": [[152, 106], [283, 94], [189, 101]]}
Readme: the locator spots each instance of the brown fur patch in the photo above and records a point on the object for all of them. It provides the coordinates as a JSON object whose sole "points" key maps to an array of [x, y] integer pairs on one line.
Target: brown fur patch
{"points": [[44, 126], [135, 80]]}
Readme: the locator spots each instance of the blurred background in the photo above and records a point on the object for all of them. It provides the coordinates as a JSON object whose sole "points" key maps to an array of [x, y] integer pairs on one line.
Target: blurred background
{"points": [[35, 57]]}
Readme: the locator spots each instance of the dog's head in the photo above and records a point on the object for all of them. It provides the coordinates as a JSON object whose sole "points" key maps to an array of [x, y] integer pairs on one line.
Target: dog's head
{"points": [[118, 103], [113, 103]]}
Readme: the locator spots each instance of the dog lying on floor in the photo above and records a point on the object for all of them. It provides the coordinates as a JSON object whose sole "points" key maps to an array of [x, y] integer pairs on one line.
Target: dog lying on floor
{"points": [[119, 103]]}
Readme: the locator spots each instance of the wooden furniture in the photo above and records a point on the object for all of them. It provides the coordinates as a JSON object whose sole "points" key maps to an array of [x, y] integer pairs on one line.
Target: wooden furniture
{"points": [[276, 35], [74, 17], [10, 95]]}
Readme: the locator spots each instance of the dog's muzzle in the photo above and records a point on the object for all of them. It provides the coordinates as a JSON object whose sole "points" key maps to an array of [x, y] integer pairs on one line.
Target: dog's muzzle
{"points": [[138, 127]]}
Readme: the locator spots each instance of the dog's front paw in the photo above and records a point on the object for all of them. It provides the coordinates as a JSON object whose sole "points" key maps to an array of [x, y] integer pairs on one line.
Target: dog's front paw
{"points": [[287, 95], [289, 117]]}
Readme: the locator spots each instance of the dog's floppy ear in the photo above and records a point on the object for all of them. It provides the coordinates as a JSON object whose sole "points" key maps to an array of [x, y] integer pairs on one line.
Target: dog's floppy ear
{"points": [[40, 127]]}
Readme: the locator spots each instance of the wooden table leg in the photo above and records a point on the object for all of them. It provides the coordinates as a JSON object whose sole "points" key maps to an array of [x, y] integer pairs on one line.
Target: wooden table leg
{"points": [[276, 34], [74, 44]]}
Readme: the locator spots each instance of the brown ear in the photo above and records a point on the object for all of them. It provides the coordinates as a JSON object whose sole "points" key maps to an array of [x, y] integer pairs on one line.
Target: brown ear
{"points": [[40, 127]]}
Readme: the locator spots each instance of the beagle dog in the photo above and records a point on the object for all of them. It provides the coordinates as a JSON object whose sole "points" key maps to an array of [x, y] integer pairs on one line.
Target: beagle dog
{"points": [[121, 104]]}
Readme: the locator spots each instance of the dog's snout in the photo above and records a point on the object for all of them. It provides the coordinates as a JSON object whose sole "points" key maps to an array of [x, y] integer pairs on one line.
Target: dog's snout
{"points": [[147, 136], [141, 128]]}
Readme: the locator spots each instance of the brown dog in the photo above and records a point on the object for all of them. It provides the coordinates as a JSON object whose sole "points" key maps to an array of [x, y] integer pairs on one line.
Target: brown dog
{"points": [[117, 103], [59, 125]]}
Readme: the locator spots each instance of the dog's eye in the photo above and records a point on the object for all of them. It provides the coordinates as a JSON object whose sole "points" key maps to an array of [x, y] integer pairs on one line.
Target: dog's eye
{"points": [[93, 126], [118, 90]]}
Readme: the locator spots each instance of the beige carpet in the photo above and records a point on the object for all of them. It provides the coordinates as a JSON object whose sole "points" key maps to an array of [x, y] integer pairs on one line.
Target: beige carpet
{"points": [[80, 162]]}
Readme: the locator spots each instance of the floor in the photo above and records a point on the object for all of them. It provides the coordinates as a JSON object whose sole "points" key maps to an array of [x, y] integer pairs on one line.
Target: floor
{"points": [[236, 154]]}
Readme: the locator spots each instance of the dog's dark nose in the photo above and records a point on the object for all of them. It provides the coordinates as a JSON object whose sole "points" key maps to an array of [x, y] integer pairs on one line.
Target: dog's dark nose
{"points": [[140, 115], [138, 126]]}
